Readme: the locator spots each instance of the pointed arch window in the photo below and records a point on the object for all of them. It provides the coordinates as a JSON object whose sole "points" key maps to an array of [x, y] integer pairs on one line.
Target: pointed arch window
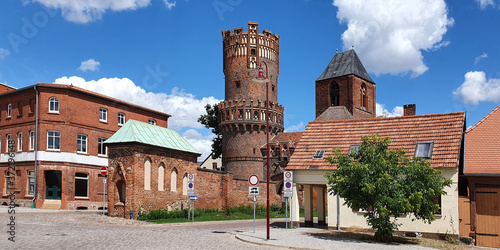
{"points": [[184, 185], [334, 94], [363, 98], [161, 177], [147, 174], [173, 180]]}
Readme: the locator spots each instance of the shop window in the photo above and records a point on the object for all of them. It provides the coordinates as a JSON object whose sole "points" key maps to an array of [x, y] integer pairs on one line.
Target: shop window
{"points": [[81, 185]]}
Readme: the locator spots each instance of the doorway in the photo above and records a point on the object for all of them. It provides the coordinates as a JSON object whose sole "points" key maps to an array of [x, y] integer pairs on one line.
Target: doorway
{"points": [[53, 185]]}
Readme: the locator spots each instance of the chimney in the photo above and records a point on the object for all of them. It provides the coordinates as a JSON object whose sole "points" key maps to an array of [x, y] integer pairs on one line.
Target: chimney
{"points": [[409, 109]]}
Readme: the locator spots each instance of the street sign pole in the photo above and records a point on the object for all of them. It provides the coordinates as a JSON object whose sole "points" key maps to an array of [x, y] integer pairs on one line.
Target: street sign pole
{"points": [[189, 210], [104, 197], [254, 200], [193, 211], [286, 212]]}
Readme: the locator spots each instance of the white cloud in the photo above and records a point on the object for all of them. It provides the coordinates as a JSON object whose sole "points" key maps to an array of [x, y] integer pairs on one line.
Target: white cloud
{"points": [[4, 53], [185, 108], [389, 35], [89, 65], [295, 128], [85, 11], [383, 112], [485, 3], [200, 142], [476, 88], [484, 55], [168, 4]]}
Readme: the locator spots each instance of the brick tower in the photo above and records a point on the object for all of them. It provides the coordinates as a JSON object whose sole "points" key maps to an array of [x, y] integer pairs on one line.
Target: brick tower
{"points": [[346, 83], [242, 114]]}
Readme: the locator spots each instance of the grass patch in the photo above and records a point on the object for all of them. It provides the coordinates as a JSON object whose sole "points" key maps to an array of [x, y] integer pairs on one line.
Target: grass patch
{"points": [[368, 235], [234, 213]]}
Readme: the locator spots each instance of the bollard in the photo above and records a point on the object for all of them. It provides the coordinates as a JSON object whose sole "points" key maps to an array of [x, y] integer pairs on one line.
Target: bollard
{"points": [[131, 214]]}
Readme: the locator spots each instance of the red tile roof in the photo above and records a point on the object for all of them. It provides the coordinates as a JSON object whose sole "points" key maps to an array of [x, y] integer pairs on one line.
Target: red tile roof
{"points": [[482, 146], [445, 130], [56, 85], [287, 136]]}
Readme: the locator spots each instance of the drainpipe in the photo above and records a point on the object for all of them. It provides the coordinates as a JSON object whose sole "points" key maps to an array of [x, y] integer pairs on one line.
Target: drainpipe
{"points": [[338, 212], [36, 149]]}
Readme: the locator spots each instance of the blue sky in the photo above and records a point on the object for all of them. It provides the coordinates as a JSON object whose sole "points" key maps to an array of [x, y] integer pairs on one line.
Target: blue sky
{"points": [[442, 56]]}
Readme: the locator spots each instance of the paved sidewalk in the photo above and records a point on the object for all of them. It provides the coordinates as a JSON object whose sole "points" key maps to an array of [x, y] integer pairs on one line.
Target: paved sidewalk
{"points": [[299, 238]]}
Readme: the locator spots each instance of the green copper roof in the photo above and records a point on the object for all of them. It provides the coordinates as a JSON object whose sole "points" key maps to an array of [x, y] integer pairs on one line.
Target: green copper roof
{"points": [[136, 131]]}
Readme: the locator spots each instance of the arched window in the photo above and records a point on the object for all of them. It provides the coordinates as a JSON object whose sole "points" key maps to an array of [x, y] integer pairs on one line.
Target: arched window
{"points": [[173, 180], [363, 96], [53, 105], [161, 177], [334, 94], [185, 185], [147, 174]]}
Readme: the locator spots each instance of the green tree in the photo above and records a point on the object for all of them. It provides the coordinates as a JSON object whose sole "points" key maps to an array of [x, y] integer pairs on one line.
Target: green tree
{"points": [[386, 184], [211, 121]]}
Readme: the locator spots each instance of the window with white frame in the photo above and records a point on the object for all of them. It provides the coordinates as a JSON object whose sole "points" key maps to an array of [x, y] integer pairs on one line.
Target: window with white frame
{"points": [[121, 119], [81, 143], [424, 149], [31, 182], [152, 121], [7, 180], [101, 149], [9, 110], [53, 140], [103, 115], [20, 141], [7, 139], [53, 105], [82, 185], [32, 140]]}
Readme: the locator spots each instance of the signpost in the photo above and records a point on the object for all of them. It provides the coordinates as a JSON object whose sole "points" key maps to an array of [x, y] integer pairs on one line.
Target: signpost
{"points": [[254, 190], [104, 172], [288, 194], [190, 193]]}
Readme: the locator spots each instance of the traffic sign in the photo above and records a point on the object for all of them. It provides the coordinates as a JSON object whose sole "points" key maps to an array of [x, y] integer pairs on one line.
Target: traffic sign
{"points": [[253, 180], [288, 176], [287, 184], [104, 171], [190, 182], [253, 190], [193, 198]]}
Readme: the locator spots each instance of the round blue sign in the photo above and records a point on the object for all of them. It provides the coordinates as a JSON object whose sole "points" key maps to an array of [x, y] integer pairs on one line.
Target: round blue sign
{"points": [[190, 185], [288, 185]]}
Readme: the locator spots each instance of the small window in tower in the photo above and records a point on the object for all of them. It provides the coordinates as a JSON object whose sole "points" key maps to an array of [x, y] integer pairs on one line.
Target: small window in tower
{"points": [[272, 88], [363, 96], [334, 94], [238, 84], [252, 52]]}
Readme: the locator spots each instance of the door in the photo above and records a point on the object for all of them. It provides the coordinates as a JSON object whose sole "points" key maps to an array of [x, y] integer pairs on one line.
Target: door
{"points": [[53, 185], [488, 216]]}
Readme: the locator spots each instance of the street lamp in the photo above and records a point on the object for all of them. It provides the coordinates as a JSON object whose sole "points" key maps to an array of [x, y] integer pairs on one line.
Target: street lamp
{"points": [[262, 78]]}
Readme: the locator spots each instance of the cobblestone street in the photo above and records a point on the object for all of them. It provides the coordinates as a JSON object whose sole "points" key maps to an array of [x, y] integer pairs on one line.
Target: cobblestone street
{"points": [[89, 230]]}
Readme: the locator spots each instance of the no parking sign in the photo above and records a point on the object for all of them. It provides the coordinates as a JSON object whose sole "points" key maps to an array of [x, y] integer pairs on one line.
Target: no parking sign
{"points": [[287, 183]]}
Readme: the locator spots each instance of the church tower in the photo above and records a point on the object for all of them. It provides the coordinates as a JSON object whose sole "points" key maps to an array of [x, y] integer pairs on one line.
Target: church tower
{"points": [[243, 113], [345, 83]]}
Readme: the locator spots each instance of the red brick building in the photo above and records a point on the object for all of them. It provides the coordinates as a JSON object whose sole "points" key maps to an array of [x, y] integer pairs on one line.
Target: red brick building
{"points": [[59, 132]]}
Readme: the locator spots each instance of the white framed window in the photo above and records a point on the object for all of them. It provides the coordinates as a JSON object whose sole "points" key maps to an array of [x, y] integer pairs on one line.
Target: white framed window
{"points": [[53, 140], [121, 119], [8, 178], [9, 110], [7, 139], [424, 149], [32, 140], [31, 182], [20, 141], [147, 175], [152, 121], [103, 115], [101, 149], [173, 181], [82, 185], [53, 105], [81, 143], [161, 178]]}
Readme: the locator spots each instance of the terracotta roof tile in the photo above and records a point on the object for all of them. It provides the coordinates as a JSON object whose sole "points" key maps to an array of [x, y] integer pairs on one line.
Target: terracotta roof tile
{"points": [[445, 130], [482, 146]]}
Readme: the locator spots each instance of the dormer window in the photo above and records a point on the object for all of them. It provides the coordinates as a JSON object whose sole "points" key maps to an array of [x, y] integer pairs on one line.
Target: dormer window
{"points": [[353, 148], [424, 149], [152, 121], [319, 154]]}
